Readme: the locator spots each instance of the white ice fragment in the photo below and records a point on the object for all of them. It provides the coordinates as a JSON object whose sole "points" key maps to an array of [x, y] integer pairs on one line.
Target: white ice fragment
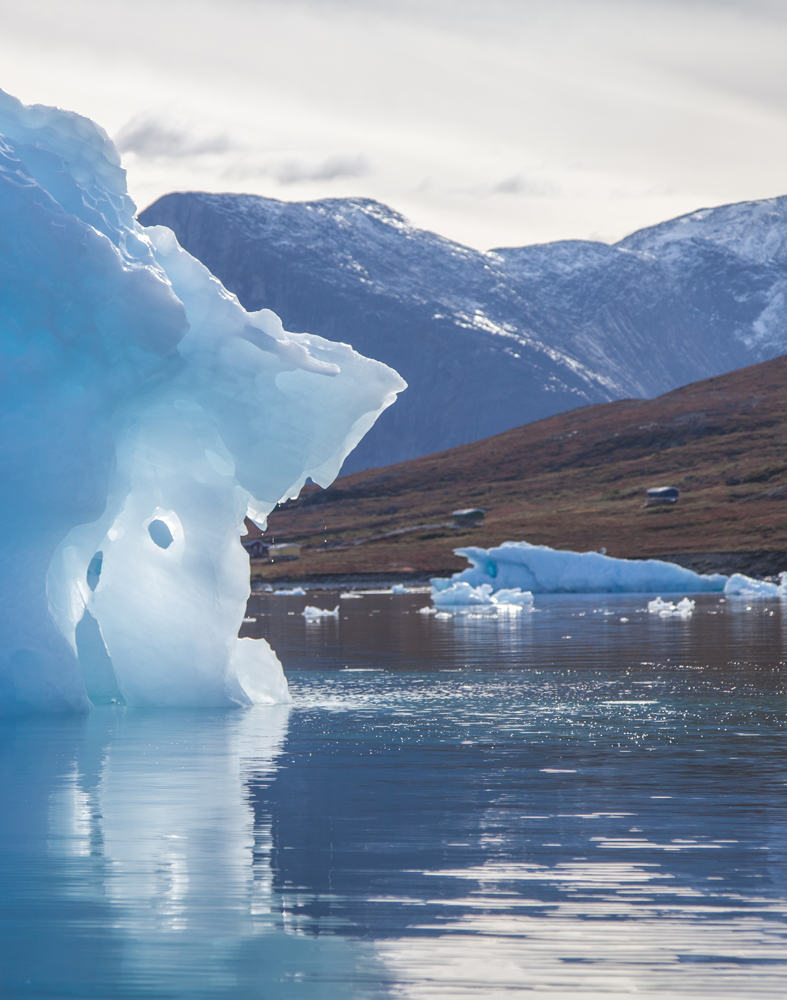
{"points": [[350, 595], [292, 592], [461, 594], [666, 609], [147, 414], [426, 610], [739, 585], [398, 588], [443, 614], [513, 596], [311, 612]]}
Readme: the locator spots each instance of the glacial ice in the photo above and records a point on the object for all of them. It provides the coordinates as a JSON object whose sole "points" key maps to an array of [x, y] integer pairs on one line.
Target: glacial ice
{"points": [[462, 594], [312, 613], [667, 609], [542, 570], [739, 585], [144, 414]]}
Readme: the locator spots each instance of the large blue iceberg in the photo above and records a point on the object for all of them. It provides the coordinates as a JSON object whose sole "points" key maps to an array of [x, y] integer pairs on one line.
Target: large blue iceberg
{"points": [[542, 570], [144, 414]]}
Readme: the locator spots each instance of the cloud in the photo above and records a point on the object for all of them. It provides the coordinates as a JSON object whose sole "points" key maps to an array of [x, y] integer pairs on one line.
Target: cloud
{"points": [[299, 171], [511, 185], [531, 121], [330, 169], [155, 138], [516, 184]]}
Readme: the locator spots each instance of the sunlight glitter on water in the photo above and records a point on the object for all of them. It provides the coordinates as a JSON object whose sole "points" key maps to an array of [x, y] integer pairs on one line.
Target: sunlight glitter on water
{"points": [[469, 808]]}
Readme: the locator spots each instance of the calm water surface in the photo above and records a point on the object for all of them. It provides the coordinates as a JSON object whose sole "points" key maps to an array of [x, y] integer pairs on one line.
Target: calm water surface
{"points": [[583, 801]]}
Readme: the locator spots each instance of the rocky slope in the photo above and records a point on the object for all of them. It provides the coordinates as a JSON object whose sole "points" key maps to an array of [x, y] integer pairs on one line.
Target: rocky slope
{"points": [[573, 481]]}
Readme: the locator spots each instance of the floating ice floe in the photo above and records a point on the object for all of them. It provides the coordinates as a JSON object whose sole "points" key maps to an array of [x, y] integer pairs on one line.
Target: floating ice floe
{"points": [[350, 595], [426, 610], [312, 613], [667, 609], [398, 588], [542, 570], [511, 573], [145, 414], [292, 592], [463, 595]]}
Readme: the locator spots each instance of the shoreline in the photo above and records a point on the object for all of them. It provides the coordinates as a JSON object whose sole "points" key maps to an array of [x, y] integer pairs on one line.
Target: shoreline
{"points": [[757, 564]]}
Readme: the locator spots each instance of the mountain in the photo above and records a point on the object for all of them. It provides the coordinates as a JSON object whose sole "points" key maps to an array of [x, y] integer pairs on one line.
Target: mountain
{"points": [[488, 341], [573, 481]]}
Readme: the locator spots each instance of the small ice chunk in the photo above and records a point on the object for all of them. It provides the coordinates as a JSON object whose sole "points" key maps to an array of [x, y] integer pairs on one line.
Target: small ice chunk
{"points": [[426, 610], [666, 609], [293, 592], [443, 614], [657, 606], [461, 594], [398, 588], [513, 595], [350, 595], [311, 612]]}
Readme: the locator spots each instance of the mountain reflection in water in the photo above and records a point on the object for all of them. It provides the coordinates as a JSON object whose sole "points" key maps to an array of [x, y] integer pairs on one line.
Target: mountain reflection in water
{"points": [[558, 802]]}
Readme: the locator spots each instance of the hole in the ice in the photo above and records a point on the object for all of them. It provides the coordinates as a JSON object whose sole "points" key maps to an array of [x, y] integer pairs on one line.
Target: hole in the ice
{"points": [[94, 570], [160, 533]]}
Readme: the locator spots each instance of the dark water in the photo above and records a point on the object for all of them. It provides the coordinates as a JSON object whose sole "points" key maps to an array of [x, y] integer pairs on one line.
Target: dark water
{"points": [[559, 802]]}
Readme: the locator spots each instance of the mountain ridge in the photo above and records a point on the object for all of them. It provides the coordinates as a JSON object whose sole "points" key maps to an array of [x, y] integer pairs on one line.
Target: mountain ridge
{"points": [[490, 340]]}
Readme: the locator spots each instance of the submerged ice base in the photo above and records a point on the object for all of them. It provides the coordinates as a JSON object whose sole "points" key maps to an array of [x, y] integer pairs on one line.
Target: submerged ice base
{"points": [[144, 415]]}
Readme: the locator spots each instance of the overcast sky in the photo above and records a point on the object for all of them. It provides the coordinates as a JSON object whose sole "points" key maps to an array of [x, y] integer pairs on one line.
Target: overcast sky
{"points": [[493, 122]]}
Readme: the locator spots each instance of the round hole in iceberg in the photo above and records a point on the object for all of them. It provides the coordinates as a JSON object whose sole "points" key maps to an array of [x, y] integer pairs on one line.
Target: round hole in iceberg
{"points": [[160, 533], [94, 570]]}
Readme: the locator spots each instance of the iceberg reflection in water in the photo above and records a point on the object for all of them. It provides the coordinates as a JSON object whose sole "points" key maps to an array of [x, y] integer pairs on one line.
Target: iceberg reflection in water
{"points": [[583, 801]]}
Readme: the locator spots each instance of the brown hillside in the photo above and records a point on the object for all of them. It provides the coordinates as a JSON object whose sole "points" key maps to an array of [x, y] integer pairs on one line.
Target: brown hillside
{"points": [[574, 481]]}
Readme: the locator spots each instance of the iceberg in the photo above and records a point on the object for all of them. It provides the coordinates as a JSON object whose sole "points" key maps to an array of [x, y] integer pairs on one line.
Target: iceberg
{"points": [[144, 414], [538, 569]]}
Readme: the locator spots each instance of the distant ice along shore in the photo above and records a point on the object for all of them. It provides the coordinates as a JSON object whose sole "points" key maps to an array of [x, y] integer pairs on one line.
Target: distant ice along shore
{"points": [[519, 568]]}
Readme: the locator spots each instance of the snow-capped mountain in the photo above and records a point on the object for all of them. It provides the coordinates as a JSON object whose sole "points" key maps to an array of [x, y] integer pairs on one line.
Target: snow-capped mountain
{"points": [[491, 340]]}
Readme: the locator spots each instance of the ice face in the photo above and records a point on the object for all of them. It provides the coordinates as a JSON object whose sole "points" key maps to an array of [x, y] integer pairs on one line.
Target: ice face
{"points": [[144, 414]]}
